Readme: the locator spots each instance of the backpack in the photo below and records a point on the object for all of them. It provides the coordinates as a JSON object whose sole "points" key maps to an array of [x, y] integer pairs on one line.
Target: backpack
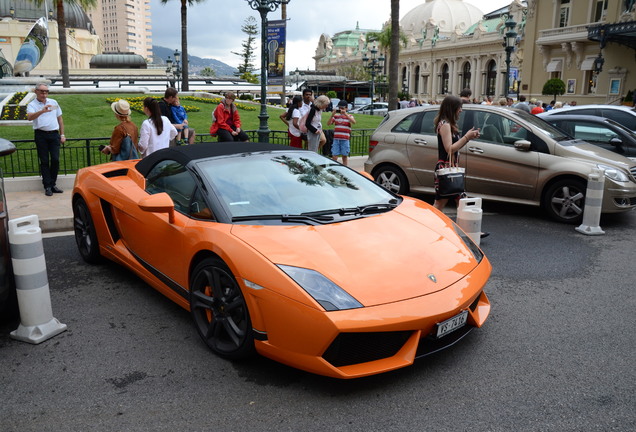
{"points": [[302, 122]]}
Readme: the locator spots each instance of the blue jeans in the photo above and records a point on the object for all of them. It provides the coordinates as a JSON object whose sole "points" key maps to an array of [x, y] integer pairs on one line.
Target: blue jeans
{"points": [[48, 146]]}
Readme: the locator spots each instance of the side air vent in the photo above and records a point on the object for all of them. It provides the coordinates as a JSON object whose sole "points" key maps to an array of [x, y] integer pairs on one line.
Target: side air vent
{"points": [[116, 173]]}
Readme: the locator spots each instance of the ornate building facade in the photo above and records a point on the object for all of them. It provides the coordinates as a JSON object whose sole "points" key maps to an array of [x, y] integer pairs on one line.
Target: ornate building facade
{"points": [[451, 45], [568, 40]]}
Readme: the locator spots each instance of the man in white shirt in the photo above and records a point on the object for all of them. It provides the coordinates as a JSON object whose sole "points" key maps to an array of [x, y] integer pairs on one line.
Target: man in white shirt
{"points": [[48, 126]]}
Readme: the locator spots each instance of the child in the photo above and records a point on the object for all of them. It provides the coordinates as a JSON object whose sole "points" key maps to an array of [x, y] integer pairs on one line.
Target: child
{"points": [[342, 132], [181, 117]]}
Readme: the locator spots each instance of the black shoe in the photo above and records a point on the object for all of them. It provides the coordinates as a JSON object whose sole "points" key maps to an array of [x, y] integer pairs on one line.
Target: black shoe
{"points": [[56, 189], [484, 234], [48, 192]]}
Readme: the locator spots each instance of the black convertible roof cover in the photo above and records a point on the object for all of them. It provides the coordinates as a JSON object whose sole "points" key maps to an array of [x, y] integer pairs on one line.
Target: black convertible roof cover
{"points": [[187, 153]]}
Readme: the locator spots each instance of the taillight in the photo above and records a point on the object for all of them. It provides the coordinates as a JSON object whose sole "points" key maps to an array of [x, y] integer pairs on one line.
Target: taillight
{"points": [[372, 145]]}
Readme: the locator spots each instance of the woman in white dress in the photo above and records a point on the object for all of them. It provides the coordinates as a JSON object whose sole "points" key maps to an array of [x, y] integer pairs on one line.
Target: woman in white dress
{"points": [[156, 131]]}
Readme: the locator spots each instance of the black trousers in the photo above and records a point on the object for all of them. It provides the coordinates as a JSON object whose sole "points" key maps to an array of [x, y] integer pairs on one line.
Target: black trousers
{"points": [[48, 146], [226, 136]]}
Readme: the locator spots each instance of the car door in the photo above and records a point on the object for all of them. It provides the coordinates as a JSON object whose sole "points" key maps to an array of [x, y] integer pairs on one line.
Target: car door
{"points": [[494, 166], [162, 245], [422, 147]]}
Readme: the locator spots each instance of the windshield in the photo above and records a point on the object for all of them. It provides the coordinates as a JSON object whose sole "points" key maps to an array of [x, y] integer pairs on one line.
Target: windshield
{"points": [[291, 183], [551, 131]]}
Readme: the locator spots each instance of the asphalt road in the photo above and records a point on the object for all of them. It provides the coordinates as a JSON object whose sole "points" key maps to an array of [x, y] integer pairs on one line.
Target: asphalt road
{"points": [[557, 353]]}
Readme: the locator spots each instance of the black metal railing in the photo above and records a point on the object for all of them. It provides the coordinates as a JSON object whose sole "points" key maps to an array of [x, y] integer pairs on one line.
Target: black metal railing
{"points": [[77, 153]]}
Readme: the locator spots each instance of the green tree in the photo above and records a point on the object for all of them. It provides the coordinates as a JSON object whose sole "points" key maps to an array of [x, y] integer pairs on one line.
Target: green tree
{"points": [[554, 86], [246, 68], [208, 72], [250, 77], [61, 29], [185, 86]]}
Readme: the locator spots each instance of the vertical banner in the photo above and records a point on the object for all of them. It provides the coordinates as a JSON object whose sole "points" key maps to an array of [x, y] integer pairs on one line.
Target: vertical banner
{"points": [[275, 55], [513, 81]]}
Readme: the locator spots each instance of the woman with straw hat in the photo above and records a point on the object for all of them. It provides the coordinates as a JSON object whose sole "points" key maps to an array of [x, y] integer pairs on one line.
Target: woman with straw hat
{"points": [[126, 127]]}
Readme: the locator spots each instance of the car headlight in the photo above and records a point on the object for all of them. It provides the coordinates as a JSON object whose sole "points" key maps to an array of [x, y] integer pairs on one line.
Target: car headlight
{"points": [[470, 244], [614, 173], [330, 296]]}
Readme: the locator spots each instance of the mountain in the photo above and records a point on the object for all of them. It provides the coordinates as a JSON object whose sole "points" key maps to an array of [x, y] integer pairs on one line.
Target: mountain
{"points": [[160, 54]]}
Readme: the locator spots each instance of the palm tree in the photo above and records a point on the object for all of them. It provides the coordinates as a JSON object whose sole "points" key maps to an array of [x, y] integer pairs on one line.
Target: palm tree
{"points": [[395, 52], [184, 40], [61, 30]]}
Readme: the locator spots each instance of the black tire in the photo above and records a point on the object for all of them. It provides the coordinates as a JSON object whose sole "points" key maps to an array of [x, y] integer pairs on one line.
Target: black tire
{"points": [[564, 201], [392, 179], [85, 234], [219, 310]]}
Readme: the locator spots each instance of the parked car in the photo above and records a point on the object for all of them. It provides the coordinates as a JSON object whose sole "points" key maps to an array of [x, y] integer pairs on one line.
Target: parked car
{"points": [[361, 101], [8, 299], [379, 108], [269, 248], [601, 131], [620, 114], [518, 158]]}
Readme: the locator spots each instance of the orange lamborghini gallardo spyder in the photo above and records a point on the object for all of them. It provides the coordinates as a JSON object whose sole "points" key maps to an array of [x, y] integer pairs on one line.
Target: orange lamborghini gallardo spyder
{"points": [[286, 253]]}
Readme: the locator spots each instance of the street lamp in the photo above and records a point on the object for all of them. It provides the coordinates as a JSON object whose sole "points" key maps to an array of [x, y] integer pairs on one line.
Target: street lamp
{"points": [[598, 63], [169, 73], [264, 7], [510, 39], [375, 65], [177, 67]]}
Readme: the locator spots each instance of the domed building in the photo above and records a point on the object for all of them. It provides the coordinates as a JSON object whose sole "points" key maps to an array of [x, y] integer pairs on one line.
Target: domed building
{"points": [[343, 52], [448, 15], [450, 45]]}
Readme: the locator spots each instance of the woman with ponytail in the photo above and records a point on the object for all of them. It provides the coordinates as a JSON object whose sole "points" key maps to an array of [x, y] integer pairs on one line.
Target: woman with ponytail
{"points": [[156, 131]]}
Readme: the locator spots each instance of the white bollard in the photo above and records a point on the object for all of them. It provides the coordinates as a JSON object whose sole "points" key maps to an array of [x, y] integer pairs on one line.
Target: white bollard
{"points": [[593, 204], [32, 286], [469, 215]]}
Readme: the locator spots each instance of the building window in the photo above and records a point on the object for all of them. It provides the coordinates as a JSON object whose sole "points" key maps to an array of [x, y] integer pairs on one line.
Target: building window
{"points": [[466, 75], [491, 78], [600, 9], [445, 79], [564, 13]]}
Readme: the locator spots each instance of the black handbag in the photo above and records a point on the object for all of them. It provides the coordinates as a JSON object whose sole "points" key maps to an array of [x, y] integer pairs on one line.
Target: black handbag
{"points": [[450, 179]]}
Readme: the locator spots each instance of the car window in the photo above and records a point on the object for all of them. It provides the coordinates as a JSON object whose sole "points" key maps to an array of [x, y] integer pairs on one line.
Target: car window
{"points": [[626, 119], [290, 183], [427, 123], [585, 111], [404, 126], [593, 132], [174, 179]]}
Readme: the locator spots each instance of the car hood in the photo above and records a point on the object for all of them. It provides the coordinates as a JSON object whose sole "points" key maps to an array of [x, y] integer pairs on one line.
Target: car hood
{"points": [[405, 253], [593, 153]]}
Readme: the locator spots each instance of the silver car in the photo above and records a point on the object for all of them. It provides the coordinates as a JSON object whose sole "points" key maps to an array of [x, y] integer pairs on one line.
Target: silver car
{"points": [[620, 114], [518, 158], [379, 108]]}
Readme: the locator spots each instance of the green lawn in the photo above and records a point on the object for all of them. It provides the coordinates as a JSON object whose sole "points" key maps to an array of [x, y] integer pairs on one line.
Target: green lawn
{"points": [[90, 116]]}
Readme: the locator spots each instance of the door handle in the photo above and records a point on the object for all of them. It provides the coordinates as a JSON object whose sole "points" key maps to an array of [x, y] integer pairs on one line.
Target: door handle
{"points": [[475, 150], [420, 141]]}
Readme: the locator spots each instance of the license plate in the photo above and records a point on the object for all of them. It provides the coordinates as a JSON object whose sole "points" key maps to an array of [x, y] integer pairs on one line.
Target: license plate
{"points": [[452, 324]]}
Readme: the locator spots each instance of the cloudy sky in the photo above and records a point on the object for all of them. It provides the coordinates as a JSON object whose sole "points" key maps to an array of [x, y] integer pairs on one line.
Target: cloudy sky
{"points": [[214, 26]]}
